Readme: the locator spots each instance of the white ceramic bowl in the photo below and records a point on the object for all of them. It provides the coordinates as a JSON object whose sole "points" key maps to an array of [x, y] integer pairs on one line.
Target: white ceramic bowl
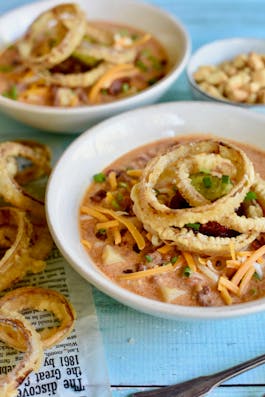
{"points": [[171, 33], [99, 146], [217, 52]]}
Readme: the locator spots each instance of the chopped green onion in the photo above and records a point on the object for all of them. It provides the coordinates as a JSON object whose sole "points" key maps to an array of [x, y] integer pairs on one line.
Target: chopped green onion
{"points": [[100, 177], [125, 87], [207, 181], [153, 80], [141, 65], [12, 93], [134, 36], [174, 259], [6, 68], [115, 204], [123, 185], [187, 271], [250, 196], [101, 231], [195, 226], [104, 91], [257, 276], [155, 62], [225, 179], [119, 196], [148, 258]]}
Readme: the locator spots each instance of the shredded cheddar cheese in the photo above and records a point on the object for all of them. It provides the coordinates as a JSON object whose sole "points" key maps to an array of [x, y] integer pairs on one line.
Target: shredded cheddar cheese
{"points": [[94, 213], [112, 180], [247, 265], [149, 272], [134, 173], [117, 235], [107, 225], [87, 244], [139, 239], [246, 279], [224, 282], [116, 72], [225, 295], [190, 261]]}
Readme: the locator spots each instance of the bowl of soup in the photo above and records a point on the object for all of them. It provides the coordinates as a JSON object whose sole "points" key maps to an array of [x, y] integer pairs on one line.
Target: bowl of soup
{"points": [[170, 223], [65, 67]]}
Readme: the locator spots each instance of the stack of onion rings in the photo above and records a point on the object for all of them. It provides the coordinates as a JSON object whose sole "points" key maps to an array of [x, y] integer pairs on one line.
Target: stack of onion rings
{"points": [[172, 224]]}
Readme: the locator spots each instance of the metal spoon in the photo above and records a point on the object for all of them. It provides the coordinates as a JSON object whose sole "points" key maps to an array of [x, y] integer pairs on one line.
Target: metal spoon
{"points": [[201, 386]]}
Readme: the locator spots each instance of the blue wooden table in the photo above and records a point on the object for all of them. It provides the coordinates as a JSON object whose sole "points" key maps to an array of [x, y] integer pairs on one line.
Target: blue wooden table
{"points": [[143, 351]]}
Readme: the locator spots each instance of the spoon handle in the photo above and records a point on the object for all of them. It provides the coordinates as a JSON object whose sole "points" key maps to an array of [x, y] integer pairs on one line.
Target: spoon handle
{"points": [[202, 385]]}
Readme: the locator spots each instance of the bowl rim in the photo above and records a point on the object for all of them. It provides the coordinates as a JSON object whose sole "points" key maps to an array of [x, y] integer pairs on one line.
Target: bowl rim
{"points": [[176, 69], [214, 43], [100, 281]]}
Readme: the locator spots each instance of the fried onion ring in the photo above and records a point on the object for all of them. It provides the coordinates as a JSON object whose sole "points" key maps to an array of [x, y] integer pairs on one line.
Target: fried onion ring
{"points": [[252, 222], [108, 54], [10, 190], [159, 214], [75, 80], [194, 164], [69, 19], [14, 326], [33, 298]]}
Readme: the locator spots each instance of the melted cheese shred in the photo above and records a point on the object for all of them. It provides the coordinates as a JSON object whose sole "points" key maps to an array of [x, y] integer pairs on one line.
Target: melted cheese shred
{"points": [[139, 239]]}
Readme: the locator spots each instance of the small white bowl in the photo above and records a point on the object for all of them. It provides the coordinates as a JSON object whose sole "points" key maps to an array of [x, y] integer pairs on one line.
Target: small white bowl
{"points": [[101, 145], [171, 33], [217, 52]]}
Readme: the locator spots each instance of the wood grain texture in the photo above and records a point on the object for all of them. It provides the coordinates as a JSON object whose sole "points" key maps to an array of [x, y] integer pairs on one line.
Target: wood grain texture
{"points": [[144, 351]]}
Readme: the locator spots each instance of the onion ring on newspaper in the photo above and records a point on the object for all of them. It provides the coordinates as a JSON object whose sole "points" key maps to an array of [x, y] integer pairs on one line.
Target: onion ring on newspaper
{"points": [[33, 298], [16, 325], [213, 163], [16, 218], [10, 190], [165, 216], [69, 19], [26, 251]]}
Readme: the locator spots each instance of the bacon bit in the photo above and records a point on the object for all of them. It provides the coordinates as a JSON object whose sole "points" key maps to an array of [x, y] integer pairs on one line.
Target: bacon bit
{"points": [[87, 244], [94, 213], [190, 261], [135, 173], [113, 180], [106, 225]]}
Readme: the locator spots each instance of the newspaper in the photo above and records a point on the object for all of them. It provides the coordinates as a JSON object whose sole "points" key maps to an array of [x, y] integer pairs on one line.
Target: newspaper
{"points": [[76, 366]]}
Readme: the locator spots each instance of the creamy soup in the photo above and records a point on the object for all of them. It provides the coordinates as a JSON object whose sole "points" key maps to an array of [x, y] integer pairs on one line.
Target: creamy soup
{"points": [[159, 269], [110, 62]]}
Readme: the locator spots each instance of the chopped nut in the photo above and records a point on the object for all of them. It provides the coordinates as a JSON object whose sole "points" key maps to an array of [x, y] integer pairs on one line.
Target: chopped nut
{"points": [[255, 61], [242, 79], [237, 95], [202, 73], [216, 77], [259, 77]]}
